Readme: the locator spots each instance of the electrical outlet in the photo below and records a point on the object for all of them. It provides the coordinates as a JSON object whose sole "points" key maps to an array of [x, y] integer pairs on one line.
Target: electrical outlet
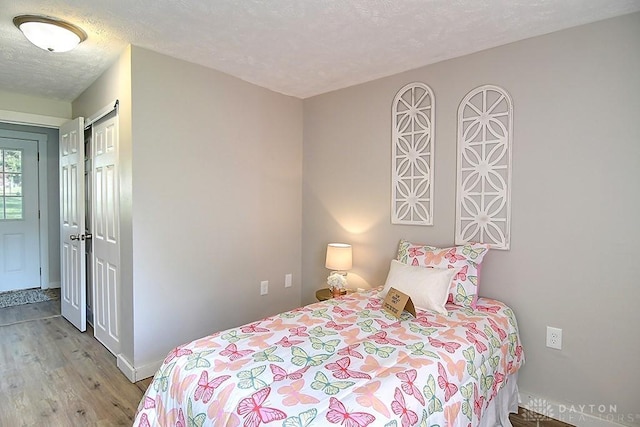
{"points": [[288, 280], [264, 287], [554, 338]]}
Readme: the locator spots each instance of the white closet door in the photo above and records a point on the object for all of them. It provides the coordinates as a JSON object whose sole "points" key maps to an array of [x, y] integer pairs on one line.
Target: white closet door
{"points": [[106, 233], [72, 228]]}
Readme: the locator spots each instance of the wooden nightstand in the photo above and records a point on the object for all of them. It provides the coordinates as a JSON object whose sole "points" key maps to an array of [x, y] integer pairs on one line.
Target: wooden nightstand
{"points": [[324, 294]]}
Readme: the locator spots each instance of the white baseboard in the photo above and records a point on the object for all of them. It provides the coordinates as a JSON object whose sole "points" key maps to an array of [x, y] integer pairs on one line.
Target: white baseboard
{"points": [[126, 368], [599, 415], [148, 370], [137, 374]]}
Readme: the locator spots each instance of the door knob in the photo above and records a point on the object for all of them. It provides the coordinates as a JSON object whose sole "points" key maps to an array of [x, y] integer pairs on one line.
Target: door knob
{"points": [[86, 236], [75, 237]]}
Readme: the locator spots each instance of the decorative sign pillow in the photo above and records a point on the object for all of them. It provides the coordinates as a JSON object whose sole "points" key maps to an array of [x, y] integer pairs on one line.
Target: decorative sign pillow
{"points": [[396, 302], [467, 258], [427, 287]]}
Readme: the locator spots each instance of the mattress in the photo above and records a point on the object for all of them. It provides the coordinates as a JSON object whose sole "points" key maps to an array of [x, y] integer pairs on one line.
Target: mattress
{"points": [[344, 361]]}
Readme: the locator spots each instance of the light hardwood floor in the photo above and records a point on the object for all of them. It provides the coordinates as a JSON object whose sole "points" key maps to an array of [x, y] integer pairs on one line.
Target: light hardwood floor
{"points": [[521, 420], [52, 375]]}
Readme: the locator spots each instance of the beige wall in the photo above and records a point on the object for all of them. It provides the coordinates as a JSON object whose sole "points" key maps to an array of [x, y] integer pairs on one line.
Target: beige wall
{"points": [[211, 172], [217, 172], [576, 170], [34, 105]]}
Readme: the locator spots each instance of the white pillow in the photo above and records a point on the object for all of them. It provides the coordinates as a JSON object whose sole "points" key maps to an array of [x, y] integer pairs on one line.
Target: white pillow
{"points": [[427, 287]]}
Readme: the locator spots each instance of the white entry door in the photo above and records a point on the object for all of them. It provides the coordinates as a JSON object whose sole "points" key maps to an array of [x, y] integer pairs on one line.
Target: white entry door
{"points": [[72, 224], [19, 219], [105, 210]]}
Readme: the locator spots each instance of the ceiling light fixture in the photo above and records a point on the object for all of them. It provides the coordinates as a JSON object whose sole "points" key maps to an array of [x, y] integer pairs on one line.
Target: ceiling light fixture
{"points": [[49, 33]]}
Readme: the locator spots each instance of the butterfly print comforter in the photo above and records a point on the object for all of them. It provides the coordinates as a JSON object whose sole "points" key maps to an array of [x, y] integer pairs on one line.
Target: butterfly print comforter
{"points": [[343, 361]]}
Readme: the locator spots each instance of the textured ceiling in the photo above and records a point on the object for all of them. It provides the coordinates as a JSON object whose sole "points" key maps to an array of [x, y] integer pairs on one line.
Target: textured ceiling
{"points": [[296, 47]]}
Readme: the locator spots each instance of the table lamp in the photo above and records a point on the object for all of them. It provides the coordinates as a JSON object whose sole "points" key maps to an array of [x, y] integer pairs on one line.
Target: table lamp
{"points": [[339, 261]]}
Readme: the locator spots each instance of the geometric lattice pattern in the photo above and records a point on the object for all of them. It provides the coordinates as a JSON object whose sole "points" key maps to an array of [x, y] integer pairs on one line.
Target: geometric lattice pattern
{"points": [[412, 158], [485, 122]]}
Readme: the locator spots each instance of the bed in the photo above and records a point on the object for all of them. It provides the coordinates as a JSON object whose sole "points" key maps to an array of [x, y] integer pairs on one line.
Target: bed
{"points": [[345, 361]]}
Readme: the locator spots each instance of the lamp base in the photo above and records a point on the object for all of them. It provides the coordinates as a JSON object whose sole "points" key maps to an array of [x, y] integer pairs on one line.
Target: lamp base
{"points": [[336, 292], [337, 282]]}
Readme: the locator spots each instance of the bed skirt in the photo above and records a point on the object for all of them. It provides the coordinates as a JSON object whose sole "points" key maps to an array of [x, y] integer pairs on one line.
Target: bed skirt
{"points": [[505, 402]]}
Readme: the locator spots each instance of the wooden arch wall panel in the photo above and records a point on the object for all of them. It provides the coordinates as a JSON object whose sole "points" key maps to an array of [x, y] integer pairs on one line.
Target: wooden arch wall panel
{"points": [[485, 128]]}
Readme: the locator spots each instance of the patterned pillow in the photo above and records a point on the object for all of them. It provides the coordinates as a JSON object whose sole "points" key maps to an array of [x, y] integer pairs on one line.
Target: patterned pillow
{"points": [[468, 258]]}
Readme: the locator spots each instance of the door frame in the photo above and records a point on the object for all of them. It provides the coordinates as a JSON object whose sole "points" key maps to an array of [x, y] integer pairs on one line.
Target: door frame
{"points": [[27, 119]]}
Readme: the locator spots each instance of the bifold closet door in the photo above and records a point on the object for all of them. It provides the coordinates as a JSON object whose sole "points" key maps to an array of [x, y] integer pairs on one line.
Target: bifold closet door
{"points": [[106, 233], [72, 224]]}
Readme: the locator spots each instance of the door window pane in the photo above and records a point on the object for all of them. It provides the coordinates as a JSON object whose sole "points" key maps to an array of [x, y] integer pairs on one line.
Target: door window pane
{"points": [[13, 161], [13, 207], [11, 197], [13, 184]]}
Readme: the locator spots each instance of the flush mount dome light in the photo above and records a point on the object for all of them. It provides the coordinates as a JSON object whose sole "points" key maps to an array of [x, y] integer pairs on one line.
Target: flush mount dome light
{"points": [[50, 34]]}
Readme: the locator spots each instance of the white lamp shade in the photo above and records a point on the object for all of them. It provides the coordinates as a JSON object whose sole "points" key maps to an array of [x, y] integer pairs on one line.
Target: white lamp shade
{"points": [[50, 34], [339, 257]]}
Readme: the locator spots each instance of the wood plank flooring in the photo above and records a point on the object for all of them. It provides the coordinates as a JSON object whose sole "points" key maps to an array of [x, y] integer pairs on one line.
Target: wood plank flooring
{"points": [[53, 375], [23, 313], [520, 420]]}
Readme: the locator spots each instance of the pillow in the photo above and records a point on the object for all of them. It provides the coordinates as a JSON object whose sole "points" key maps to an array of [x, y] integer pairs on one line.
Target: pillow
{"points": [[427, 287], [467, 258]]}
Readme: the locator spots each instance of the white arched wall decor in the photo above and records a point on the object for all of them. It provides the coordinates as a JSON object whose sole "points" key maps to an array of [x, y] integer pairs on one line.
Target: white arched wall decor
{"points": [[412, 159], [485, 123]]}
